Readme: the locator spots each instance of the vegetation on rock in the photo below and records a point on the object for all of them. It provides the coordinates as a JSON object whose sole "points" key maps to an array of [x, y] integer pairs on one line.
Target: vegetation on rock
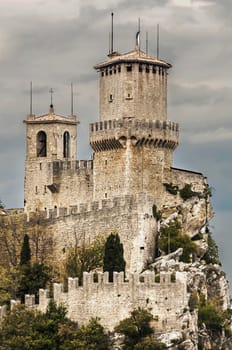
{"points": [[186, 192], [156, 213], [171, 238], [211, 256], [172, 189], [138, 331]]}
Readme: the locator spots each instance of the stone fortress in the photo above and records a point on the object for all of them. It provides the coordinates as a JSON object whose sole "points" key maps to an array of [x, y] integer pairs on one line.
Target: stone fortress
{"points": [[133, 144]]}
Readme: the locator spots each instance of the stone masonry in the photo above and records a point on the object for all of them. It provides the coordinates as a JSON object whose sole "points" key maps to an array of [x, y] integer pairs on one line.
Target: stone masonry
{"points": [[133, 144]]}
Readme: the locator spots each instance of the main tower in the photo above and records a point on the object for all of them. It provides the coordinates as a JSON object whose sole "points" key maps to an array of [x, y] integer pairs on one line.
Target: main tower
{"points": [[133, 142]]}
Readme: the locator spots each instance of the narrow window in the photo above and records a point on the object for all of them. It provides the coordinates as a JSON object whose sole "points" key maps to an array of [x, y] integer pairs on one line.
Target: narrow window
{"points": [[140, 68], [119, 69], [36, 189], [105, 195], [111, 98], [102, 74], [105, 162], [147, 68], [66, 144], [41, 144], [106, 72], [45, 189], [110, 72], [154, 69], [129, 68], [115, 70], [40, 166]]}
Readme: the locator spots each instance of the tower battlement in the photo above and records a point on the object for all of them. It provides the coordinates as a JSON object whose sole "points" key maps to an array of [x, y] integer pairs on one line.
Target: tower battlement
{"points": [[117, 203], [114, 133], [59, 166]]}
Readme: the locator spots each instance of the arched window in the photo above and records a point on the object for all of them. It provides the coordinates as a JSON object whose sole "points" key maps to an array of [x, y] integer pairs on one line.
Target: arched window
{"points": [[66, 144], [41, 144]]}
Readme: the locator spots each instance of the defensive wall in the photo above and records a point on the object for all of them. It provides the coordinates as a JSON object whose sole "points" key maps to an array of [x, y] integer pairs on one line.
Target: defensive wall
{"points": [[131, 216], [166, 298]]}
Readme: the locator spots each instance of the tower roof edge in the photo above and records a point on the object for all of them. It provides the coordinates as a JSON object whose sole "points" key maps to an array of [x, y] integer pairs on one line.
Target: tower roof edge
{"points": [[134, 56]]}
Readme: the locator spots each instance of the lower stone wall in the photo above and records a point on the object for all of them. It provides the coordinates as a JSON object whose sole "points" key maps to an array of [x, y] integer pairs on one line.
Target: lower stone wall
{"points": [[112, 302]]}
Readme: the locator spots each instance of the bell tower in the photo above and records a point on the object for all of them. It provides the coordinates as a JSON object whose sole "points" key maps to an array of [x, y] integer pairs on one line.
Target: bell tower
{"points": [[133, 142], [51, 139]]}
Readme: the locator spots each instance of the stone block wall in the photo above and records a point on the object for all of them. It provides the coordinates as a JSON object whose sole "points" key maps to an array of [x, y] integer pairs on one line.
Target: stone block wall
{"points": [[139, 92], [112, 302], [130, 216], [57, 184]]}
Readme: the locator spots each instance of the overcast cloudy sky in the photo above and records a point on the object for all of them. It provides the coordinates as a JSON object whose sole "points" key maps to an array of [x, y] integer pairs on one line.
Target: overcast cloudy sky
{"points": [[56, 42]]}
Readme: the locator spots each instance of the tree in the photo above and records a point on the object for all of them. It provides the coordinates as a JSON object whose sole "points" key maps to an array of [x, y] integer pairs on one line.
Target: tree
{"points": [[150, 344], [135, 328], [31, 330], [211, 317], [84, 258], [2, 206], [24, 329], [211, 256], [25, 255], [31, 279], [171, 238], [113, 256], [89, 337]]}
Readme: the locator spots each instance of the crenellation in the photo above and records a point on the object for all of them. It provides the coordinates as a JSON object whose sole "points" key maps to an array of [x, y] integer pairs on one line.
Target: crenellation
{"points": [[113, 301], [73, 283], [29, 300]]}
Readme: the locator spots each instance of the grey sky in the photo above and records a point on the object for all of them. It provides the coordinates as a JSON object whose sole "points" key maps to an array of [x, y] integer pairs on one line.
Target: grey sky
{"points": [[56, 42]]}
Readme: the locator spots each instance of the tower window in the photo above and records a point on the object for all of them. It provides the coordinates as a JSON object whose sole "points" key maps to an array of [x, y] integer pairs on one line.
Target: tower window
{"points": [[129, 68], [40, 166], [36, 189], [66, 145], [106, 72], [140, 68], [119, 69], [102, 74], [147, 68], [41, 144], [115, 71], [110, 72], [111, 98], [153, 69]]}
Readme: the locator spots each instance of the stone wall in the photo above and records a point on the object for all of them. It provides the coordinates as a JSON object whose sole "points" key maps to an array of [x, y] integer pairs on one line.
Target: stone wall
{"points": [[57, 184], [131, 216], [133, 93], [112, 302]]}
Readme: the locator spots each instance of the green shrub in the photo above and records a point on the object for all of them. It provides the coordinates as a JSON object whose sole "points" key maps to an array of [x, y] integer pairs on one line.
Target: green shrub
{"points": [[211, 256], [156, 213], [135, 328], [172, 189], [211, 317], [171, 239], [186, 192]]}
